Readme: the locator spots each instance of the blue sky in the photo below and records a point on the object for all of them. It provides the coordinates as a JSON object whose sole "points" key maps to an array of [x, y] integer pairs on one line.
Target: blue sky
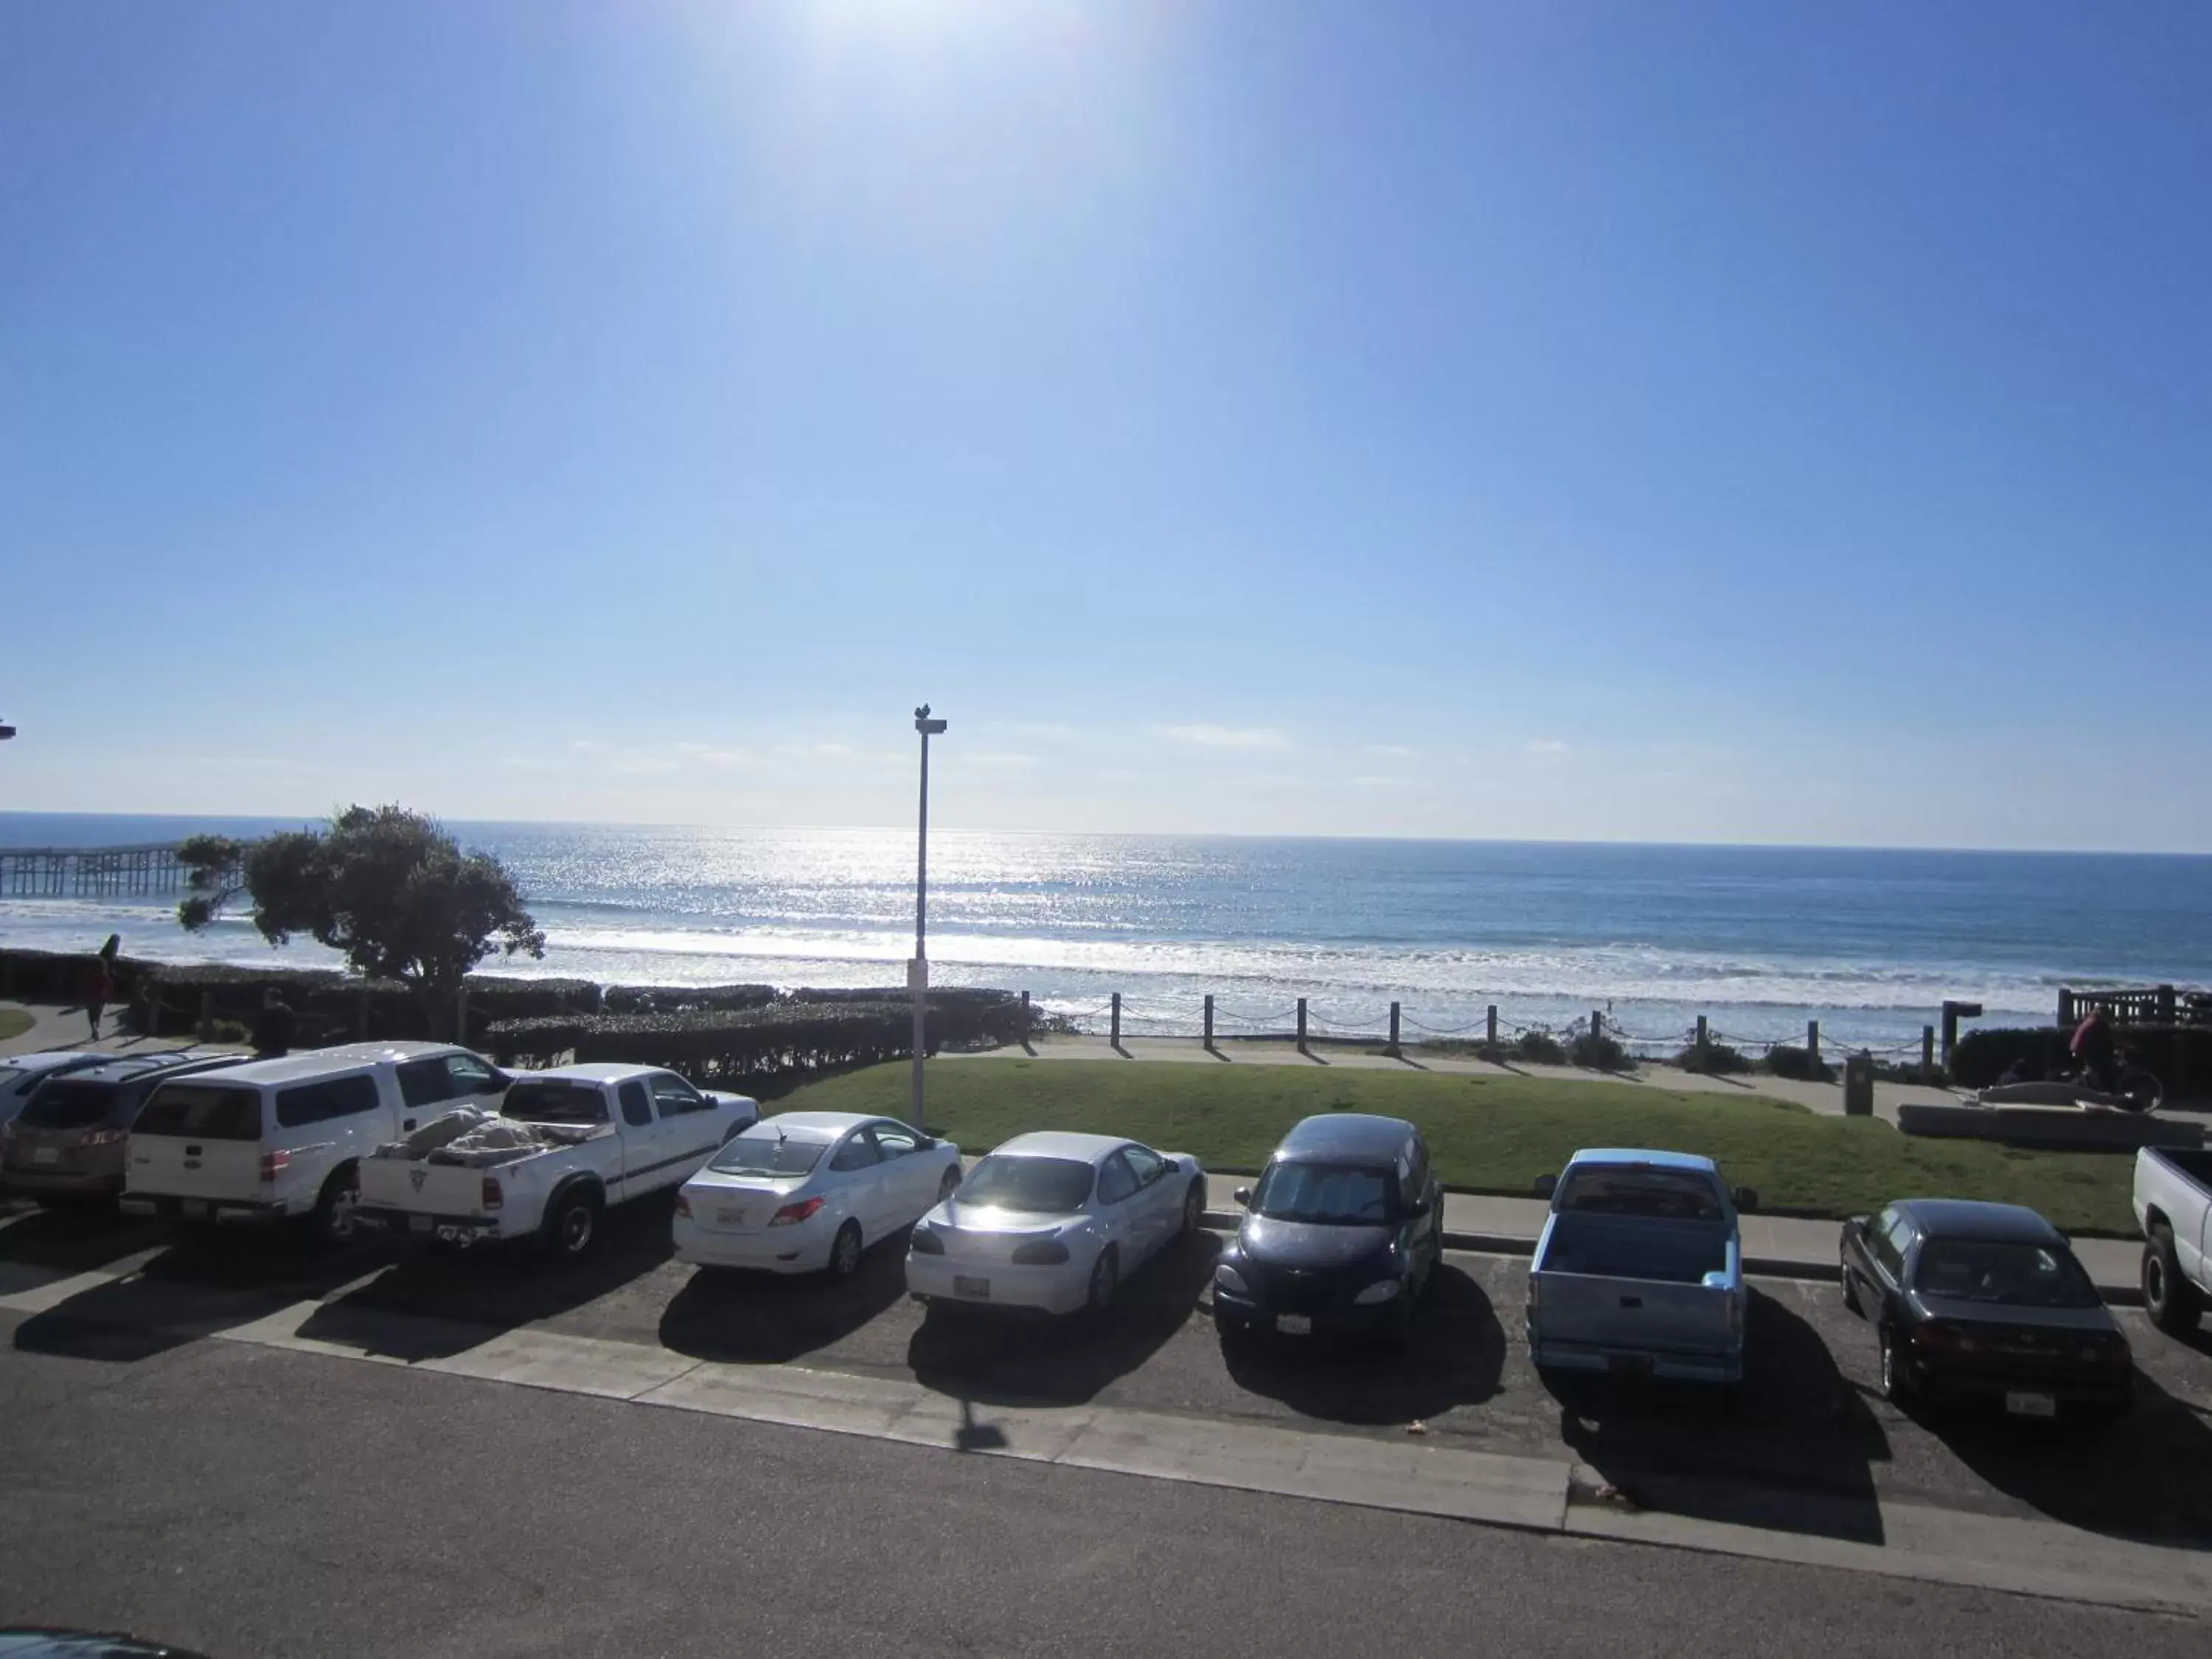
{"points": [[1652, 421]]}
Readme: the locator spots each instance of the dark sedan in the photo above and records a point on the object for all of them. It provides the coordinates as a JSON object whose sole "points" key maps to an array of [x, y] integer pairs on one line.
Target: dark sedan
{"points": [[1345, 1230], [1985, 1302]]}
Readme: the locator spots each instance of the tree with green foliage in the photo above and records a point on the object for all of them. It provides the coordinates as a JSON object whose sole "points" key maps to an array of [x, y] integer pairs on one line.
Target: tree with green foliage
{"points": [[388, 888]]}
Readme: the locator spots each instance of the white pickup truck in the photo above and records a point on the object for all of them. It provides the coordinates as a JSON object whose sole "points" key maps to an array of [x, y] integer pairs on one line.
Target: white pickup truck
{"points": [[566, 1143], [2174, 1206]]}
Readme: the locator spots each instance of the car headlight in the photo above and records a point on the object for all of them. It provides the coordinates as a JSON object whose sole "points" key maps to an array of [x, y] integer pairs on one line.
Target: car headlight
{"points": [[1226, 1278], [1382, 1290]]}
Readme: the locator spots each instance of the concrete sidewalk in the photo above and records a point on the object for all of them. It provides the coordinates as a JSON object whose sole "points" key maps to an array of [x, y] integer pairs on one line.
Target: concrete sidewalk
{"points": [[64, 1027], [1782, 1247]]}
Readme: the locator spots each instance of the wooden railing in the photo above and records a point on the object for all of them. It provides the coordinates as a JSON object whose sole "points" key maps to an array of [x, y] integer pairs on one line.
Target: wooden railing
{"points": [[2150, 1005]]}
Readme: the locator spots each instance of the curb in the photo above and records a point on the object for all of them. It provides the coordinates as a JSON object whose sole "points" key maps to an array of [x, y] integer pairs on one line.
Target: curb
{"points": [[1759, 1267]]}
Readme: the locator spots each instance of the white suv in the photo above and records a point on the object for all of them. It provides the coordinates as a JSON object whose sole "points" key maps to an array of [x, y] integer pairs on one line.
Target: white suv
{"points": [[268, 1140]]}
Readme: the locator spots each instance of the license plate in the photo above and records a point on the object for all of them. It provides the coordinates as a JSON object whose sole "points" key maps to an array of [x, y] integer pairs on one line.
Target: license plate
{"points": [[46, 1155], [730, 1218], [978, 1288], [2031, 1404], [1629, 1365], [419, 1224], [1294, 1324]]}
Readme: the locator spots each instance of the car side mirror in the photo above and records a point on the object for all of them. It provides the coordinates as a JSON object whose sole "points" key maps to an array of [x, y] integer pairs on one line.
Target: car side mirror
{"points": [[1243, 1197], [1547, 1185], [1747, 1199], [928, 1143], [1856, 1223], [1419, 1209]]}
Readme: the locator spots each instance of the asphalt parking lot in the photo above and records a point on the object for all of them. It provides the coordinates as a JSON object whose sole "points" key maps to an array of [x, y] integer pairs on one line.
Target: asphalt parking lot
{"points": [[1809, 1418]]}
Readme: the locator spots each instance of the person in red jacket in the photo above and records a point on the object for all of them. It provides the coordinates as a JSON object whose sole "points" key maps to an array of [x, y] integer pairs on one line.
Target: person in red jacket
{"points": [[2096, 1051]]}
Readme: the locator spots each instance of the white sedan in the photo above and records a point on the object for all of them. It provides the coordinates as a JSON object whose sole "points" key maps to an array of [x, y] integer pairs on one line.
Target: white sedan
{"points": [[1054, 1221], [808, 1191]]}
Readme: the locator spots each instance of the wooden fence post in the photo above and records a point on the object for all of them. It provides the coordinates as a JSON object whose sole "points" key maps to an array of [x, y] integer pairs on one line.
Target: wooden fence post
{"points": [[1025, 1015], [1394, 1028], [2065, 1006], [1928, 1053], [1491, 1042], [1115, 1039], [1813, 1044], [1302, 1022], [1597, 1030], [1209, 1020], [2166, 1005], [1704, 1037]]}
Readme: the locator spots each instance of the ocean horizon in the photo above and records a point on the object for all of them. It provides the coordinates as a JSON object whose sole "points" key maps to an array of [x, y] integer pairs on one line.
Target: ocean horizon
{"points": [[1758, 938]]}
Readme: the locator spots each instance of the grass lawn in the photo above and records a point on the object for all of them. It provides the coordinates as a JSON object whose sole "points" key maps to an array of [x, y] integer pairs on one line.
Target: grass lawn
{"points": [[13, 1022], [1491, 1133]]}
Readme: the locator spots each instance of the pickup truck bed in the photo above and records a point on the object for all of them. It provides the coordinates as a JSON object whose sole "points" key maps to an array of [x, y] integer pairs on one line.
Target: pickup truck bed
{"points": [[2173, 1207]]}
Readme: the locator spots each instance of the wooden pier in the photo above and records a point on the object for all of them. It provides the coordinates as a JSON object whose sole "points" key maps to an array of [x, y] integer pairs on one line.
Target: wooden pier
{"points": [[90, 871]]}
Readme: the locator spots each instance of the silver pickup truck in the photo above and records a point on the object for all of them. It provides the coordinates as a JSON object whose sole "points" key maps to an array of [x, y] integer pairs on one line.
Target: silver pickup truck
{"points": [[2173, 1207], [1639, 1269]]}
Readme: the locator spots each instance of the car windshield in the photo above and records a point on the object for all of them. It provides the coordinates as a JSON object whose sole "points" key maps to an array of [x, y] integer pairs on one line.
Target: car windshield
{"points": [[1326, 1194], [554, 1102], [1039, 1185], [200, 1111], [764, 1152], [2021, 1274], [11, 1078], [70, 1102], [1659, 1194]]}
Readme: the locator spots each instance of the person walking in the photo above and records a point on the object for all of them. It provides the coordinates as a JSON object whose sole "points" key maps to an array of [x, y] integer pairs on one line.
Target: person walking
{"points": [[98, 990], [272, 1031]]}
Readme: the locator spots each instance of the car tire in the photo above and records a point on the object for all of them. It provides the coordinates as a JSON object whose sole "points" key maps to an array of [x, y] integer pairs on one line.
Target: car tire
{"points": [[1228, 1327], [2174, 1305], [332, 1218], [1105, 1281], [1895, 1376], [949, 1185], [1401, 1328], [572, 1224], [845, 1251], [1194, 1208]]}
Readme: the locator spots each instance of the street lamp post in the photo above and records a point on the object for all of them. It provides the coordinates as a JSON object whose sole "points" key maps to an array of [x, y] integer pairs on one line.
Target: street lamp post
{"points": [[917, 972]]}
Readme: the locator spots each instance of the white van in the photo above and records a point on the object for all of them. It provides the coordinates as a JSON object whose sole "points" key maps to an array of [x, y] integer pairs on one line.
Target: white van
{"points": [[268, 1140]]}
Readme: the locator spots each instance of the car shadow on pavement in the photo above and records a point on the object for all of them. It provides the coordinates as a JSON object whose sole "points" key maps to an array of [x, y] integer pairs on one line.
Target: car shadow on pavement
{"points": [[1009, 1357], [1793, 1451], [750, 1318], [2146, 1476], [511, 1283], [203, 1283], [1457, 1355], [74, 1238]]}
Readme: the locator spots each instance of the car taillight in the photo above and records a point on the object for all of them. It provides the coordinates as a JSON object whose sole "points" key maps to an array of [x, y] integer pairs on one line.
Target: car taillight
{"points": [[792, 1215], [683, 1205], [102, 1137], [1938, 1337], [493, 1198], [1536, 1286], [925, 1241], [274, 1165], [1040, 1253]]}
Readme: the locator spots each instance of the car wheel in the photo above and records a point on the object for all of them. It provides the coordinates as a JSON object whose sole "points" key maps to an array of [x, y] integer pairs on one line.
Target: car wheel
{"points": [[1401, 1328], [1850, 1286], [1105, 1280], [1896, 1380], [845, 1251], [950, 1185], [2173, 1304], [1228, 1327], [573, 1226], [1194, 1208], [334, 1205]]}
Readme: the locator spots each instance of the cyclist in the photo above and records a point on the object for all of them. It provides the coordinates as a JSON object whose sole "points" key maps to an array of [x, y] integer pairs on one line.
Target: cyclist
{"points": [[2097, 1052]]}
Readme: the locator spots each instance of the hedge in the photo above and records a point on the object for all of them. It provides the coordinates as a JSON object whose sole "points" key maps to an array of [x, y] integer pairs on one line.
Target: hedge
{"points": [[2182, 1059], [681, 999], [723, 1046]]}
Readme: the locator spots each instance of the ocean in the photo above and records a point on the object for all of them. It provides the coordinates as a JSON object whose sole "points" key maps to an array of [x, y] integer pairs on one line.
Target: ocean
{"points": [[1758, 940]]}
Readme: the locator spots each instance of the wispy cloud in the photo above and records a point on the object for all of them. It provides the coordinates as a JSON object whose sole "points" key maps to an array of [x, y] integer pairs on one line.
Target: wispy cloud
{"points": [[1393, 750], [644, 766], [1003, 762], [1549, 748], [1227, 736], [1370, 780], [708, 754]]}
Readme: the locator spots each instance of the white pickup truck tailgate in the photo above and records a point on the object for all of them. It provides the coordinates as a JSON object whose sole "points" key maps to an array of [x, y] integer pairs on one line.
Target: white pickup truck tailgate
{"points": [[420, 1185]]}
